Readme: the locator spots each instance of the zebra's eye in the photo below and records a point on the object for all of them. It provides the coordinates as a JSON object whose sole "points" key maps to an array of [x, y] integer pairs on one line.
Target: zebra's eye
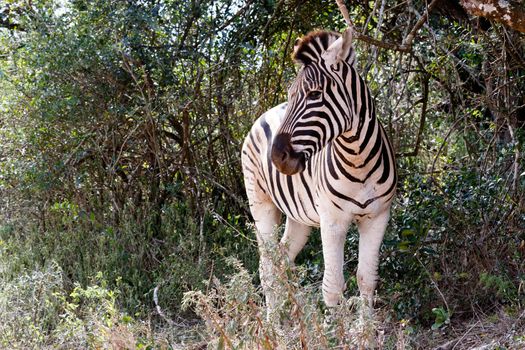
{"points": [[314, 95]]}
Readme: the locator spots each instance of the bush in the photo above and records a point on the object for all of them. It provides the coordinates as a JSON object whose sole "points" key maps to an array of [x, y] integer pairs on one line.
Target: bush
{"points": [[36, 312]]}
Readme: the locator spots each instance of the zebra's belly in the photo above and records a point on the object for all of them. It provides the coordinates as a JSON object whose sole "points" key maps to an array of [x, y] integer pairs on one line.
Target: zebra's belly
{"points": [[358, 200], [305, 200]]}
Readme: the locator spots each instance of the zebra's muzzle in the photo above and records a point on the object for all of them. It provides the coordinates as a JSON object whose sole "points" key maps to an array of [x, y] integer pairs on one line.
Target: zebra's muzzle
{"points": [[285, 159]]}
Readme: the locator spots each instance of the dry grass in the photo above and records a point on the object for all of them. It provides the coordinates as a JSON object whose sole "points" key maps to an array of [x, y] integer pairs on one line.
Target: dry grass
{"points": [[234, 315]]}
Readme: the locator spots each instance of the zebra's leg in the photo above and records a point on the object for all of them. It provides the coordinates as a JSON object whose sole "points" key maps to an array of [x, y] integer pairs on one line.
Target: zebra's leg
{"points": [[371, 232], [267, 218], [333, 234], [295, 237]]}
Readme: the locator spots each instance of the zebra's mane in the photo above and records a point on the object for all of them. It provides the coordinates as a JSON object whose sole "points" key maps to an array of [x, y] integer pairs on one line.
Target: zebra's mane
{"points": [[309, 48]]}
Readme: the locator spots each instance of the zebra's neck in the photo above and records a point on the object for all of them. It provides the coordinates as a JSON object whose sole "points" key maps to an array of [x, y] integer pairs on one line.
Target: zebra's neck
{"points": [[357, 152], [359, 144]]}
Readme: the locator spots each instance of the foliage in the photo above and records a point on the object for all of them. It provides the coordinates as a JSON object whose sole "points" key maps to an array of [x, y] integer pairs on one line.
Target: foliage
{"points": [[37, 312]]}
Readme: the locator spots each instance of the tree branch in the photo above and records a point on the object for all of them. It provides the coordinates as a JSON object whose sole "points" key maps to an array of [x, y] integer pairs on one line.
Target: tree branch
{"points": [[422, 120], [410, 37], [406, 46], [501, 11]]}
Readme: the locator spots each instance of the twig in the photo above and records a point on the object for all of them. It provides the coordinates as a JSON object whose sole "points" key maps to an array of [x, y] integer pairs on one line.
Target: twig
{"points": [[452, 128], [406, 45], [464, 335], [434, 284], [422, 121], [260, 325], [224, 221], [202, 242], [410, 37], [344, 12], [159, 310]]}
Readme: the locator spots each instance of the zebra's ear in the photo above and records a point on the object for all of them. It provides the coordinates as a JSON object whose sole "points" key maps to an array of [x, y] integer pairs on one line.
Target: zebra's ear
{"points": [[346, 48], [341, 49], [296, 46]]}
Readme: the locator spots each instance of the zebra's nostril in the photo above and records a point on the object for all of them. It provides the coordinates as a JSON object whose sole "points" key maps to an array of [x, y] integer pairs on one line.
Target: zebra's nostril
{"points": [[285, 155]]}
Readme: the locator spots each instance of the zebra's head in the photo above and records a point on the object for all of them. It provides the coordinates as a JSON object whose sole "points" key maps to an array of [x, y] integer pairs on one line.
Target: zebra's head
{"points": [[318, 100]]}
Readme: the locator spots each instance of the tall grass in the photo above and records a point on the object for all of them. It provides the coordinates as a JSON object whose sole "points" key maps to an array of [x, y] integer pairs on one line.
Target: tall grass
{"points": [[236, 317]]}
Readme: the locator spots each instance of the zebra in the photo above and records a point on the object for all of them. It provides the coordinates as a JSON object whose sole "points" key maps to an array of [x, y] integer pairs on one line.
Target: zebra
{"points": [[324, 160]]}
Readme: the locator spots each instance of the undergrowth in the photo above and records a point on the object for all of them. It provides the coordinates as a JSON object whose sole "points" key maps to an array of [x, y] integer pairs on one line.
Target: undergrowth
{"points": [[235, 315], [235, 318], [37, 312]]}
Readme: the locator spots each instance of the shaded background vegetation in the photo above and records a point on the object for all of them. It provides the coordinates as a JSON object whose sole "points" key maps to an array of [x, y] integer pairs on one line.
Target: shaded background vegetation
{"points": [[121, 124]]}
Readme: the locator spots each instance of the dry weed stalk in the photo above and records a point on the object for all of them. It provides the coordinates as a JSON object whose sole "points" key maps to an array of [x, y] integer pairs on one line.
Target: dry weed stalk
{"points": [[233, 313]]}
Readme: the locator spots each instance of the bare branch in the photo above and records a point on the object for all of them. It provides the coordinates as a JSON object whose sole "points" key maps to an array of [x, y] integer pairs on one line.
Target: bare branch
{"points": [[419, 137], [406, 46], [383, 44], [410, 37], [344, 12]]}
